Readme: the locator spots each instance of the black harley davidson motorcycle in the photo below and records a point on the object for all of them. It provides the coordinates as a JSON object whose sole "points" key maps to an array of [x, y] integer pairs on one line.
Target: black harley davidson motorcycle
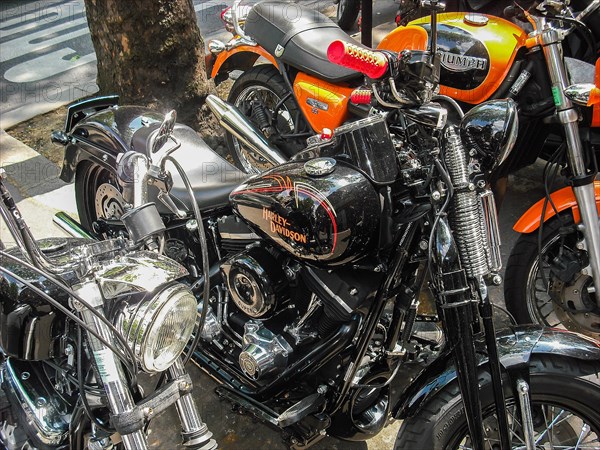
{"points": [[318, 276], [553, 276], [79, 320]]}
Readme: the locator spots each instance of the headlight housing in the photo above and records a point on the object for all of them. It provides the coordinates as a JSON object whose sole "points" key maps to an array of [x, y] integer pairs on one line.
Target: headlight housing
{"points": [[159, 327], [491, 129]]}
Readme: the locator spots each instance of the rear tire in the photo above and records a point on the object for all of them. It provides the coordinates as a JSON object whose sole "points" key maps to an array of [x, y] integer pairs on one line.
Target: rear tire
{"points": [[347, 12], [556, 383], [265, 85]]}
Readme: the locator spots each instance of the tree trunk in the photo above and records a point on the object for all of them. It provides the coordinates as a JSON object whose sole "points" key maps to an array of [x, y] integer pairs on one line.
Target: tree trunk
{"points": [[152, 53]]}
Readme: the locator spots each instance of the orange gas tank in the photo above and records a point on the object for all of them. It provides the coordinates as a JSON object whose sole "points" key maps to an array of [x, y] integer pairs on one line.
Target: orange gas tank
{"points": [[477, 52]]}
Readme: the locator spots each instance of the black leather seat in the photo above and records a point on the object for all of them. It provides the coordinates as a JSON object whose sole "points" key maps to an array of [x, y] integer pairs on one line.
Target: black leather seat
{"points": [[211, 176], [302, 33]]}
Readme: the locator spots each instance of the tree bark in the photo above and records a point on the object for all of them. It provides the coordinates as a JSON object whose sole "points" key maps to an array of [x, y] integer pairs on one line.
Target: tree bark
{"points": [[152, 53]]}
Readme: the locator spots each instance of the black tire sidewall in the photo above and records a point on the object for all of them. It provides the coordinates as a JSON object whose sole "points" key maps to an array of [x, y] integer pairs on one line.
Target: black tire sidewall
{"points": [[442, 420], [347, 18], [88, 178], [522, 257]]}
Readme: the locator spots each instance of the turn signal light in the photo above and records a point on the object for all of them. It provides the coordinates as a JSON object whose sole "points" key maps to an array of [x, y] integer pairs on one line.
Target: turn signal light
{"points": [[372, 64], [326, 134]]}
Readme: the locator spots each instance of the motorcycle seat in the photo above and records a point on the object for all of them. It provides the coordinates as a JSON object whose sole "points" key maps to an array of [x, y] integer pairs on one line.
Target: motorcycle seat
{"points": [[212, 177], [298, 36]]}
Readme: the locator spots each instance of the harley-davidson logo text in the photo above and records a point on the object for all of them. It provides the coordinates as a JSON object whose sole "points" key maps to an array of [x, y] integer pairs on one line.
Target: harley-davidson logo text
{"points": [[460, 63], [280, 226]]}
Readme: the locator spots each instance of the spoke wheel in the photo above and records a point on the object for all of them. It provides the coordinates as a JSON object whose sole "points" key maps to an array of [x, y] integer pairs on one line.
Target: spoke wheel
{"points": [[262, 95], [535, 294], [555, 427], [98, 195]]}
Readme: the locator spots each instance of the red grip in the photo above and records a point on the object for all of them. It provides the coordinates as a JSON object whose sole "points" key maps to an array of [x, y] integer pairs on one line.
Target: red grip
{"points": [[372, 64], [361, 96]]}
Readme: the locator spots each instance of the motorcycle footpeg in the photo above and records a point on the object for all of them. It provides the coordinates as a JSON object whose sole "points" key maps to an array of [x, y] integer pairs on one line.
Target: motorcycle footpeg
{"points": [[300, 410]]}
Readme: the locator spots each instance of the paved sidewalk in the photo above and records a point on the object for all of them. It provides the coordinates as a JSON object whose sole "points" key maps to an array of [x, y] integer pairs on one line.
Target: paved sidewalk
{"points": [[33, 182]]}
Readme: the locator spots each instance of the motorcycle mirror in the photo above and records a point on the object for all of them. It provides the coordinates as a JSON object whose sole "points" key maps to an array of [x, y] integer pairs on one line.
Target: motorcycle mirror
{"points": [[165, 131]]}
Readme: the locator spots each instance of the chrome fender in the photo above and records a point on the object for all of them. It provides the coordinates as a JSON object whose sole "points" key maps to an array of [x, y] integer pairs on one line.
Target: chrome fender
{"points": [[515, 348]]}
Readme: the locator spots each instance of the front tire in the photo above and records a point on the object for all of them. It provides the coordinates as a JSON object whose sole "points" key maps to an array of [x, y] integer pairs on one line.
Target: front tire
{"points": [[552, 302], [262, 89], [558, 386]]}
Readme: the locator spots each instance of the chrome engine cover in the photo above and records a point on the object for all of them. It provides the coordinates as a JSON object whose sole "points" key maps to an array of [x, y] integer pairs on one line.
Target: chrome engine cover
{"points": [[44, 421], [264, 353], [212, 328], [256, 281]]}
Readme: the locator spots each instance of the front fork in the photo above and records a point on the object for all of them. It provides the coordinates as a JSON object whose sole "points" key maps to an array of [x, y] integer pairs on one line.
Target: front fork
{"points": [[583, 179], [109, 367], [459, 313], [195, 433]]}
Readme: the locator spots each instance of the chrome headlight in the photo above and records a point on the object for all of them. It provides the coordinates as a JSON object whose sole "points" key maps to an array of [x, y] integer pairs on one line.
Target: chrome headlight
{"points": [[491, 130], [158, 328]]}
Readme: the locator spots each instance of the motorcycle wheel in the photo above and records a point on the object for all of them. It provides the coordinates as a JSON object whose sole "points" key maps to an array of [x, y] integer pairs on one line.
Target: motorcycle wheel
{"points": [[263, 86], [564, 397], [97, 194], [347, 12], [552, 302]]}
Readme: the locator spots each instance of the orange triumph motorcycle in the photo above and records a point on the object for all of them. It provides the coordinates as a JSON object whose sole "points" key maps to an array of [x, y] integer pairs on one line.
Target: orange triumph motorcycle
{"points": [[294, 91], [297, 93]]}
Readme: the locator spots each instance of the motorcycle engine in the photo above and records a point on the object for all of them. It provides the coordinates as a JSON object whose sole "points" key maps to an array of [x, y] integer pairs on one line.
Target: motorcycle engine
{"points": [[259, 288], [277, 309]]}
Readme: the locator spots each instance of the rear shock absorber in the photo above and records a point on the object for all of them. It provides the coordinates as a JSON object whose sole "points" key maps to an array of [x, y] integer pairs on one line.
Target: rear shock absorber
{"points": [[261, 116], [466, 216]]}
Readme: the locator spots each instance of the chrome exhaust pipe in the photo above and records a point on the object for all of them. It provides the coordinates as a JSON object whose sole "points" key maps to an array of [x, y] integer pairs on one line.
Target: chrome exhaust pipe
{"points": [[71, 226], [237, 124]]}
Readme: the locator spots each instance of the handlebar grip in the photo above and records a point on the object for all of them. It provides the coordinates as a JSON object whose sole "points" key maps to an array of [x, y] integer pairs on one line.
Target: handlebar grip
{"points": [[370, 63]]}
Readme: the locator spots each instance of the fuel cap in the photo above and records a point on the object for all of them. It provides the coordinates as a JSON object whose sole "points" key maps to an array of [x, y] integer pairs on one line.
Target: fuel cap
{"points": [[475, 19], [320, 166]]}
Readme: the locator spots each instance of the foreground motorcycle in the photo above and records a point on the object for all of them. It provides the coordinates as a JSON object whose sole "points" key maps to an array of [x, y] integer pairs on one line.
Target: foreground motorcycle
{"points": [[80, 319], [322, 274], [296, 91]]}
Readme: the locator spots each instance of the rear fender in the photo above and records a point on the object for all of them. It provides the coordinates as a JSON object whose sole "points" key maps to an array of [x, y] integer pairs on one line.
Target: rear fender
{"points": [[239, 58], [515, 348], [102, 136], [563, 199]]}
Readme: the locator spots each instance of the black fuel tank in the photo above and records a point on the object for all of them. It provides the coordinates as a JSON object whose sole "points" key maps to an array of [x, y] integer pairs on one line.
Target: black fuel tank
{"points": [[331, 218]]}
